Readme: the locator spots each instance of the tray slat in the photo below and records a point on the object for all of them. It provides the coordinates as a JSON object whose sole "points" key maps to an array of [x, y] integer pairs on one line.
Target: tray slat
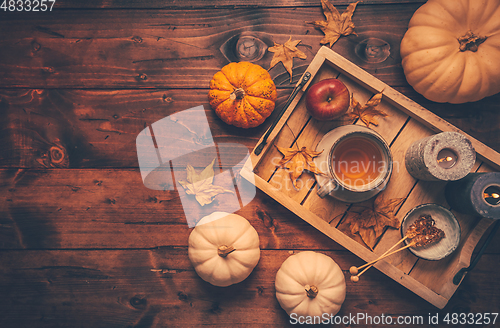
{"points": [[406, 123]]}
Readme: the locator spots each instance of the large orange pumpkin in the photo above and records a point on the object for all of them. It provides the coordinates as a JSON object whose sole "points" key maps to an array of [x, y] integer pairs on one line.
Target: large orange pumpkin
{"points": [[242, 94]]}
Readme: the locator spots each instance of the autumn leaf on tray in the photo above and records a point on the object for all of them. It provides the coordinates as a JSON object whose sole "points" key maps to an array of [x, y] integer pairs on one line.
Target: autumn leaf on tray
{"points": [[285, 53], [336, 25], [370, 222], [201, 185], [297, 161], [367, 112]]}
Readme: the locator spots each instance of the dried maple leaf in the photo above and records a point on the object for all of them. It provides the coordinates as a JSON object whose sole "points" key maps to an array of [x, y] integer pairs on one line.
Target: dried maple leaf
{"points": [[201, 185], [370, 223], [336, 25], [367, 112], [297, 161], [285, 53]]}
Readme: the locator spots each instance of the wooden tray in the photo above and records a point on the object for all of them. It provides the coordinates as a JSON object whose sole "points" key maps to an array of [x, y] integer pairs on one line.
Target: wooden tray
{"points": [[407, 122]]}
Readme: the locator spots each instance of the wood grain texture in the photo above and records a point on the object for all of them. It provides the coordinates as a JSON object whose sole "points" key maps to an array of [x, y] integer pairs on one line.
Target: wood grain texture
{"points": [[154, 288], [111, 208], [84, 244], [147, 48], [98, 128], [88, 209], [188, 4]]}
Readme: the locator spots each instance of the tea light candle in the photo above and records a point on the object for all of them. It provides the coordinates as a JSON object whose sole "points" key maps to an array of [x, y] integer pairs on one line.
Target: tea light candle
{"points": [[445, 156], [476, 194], [492, 195]]}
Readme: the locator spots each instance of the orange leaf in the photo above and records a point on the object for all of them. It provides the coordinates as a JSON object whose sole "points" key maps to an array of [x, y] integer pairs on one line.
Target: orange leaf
{"points": [[372, 221], [336, 25], [296, 161], [285, 53], [367, 112]]}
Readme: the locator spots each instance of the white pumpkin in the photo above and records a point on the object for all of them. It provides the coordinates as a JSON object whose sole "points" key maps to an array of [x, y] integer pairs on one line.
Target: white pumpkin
{"points": [[451, 51], [224, 248], [310, 284]]}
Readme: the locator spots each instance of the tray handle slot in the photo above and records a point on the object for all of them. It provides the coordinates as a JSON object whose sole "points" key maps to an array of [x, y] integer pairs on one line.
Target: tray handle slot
{"points": [[304, 80], [474, 240]]}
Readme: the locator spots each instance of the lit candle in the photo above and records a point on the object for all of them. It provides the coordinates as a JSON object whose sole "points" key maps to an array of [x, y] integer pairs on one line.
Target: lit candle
{"points": [[492, 195], [477, 194], [447, 158]]}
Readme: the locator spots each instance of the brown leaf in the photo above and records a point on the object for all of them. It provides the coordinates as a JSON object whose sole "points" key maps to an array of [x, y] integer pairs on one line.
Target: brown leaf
{"points": [[371, 222], [285, 53], [367, 112], [336, 25], [201, 185], [297, 161]]}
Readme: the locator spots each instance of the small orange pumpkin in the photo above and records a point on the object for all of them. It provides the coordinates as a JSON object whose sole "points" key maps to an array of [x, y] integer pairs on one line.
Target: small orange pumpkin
{"points": [[242, 94]]}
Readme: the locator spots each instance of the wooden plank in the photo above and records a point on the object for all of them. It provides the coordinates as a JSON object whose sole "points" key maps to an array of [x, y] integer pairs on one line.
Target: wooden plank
{"points": [[111, 208], [98, 128], [110, 288], [118, 288], [189, 4], [151, 48]]}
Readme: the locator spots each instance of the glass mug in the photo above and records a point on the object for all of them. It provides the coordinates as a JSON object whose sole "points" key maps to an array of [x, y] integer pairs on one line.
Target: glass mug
{"points": [[359, 164]]}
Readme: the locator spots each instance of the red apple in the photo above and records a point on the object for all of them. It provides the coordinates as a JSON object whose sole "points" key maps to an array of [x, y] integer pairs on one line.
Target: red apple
{"points": [[328, 99]]}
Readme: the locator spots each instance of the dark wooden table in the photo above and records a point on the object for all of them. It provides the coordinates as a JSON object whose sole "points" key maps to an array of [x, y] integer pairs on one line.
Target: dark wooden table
{"points": [[83, 243]]}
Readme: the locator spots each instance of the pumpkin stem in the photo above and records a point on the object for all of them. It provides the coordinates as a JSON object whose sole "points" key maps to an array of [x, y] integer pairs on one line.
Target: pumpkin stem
{"points": [[311, 291], [224, 250], [470, 41], [238, 93]]}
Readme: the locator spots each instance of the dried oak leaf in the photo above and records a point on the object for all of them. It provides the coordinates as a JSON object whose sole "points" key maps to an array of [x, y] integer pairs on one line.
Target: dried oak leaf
{"points": [[201, 185], [285, 53], [367, 112], [370, 223], [297, 161], [336, 25]]}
